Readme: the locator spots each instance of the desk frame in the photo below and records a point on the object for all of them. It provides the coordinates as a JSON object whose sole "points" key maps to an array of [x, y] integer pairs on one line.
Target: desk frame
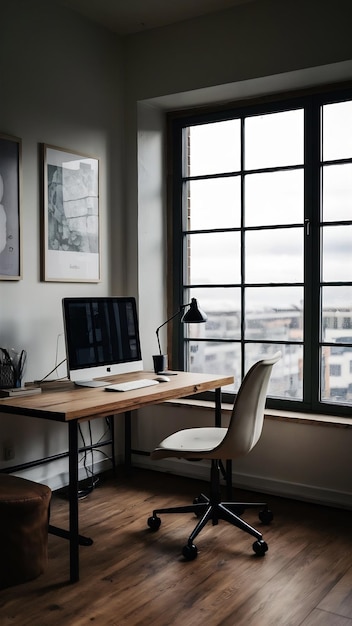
{"points": [[71, 405]]}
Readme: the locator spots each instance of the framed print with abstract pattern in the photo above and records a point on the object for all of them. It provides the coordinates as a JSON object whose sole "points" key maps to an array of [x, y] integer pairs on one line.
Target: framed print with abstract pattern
{"points": [[71, 219]]}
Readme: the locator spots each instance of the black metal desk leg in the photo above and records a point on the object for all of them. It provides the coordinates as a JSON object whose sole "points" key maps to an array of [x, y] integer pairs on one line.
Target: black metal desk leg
{"points": [[128, 459], [227, 473], [73, 499], [111, 422], [72, 533], [218, 406]]}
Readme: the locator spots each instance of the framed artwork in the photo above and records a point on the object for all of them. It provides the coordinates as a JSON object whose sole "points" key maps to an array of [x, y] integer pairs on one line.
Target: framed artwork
{"points": [[10, 208], [71, 220]]}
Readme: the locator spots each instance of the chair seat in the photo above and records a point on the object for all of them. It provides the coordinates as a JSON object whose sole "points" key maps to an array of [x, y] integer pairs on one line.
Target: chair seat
{"points": [[195, 441]]}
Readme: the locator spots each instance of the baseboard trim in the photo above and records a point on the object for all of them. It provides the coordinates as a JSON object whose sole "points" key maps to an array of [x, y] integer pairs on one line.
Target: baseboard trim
{"points": [[60, 480], [200, 470], [285, 489]]}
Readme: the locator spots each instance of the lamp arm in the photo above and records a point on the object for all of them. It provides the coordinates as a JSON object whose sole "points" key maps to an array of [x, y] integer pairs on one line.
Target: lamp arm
{"points": [[168, 320]]}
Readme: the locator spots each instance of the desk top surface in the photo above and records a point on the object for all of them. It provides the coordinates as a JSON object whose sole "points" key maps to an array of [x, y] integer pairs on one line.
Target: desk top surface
{"points": [[63, 401]]}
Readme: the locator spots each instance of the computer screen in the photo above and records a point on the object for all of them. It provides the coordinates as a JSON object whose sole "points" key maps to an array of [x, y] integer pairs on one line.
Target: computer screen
{"points": [[101, 337]]}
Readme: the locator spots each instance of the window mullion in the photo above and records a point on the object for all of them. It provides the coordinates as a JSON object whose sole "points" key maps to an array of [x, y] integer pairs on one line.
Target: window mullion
{"points": [[243, 202], [311, 372]]}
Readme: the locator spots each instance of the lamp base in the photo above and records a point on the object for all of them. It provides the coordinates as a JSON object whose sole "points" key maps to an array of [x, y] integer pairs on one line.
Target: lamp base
{"points": [[167, 373], [160, 362]]}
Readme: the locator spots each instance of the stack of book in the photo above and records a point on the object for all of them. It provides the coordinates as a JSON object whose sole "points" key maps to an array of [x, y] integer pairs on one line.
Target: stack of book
{"points": [[16, 392]]}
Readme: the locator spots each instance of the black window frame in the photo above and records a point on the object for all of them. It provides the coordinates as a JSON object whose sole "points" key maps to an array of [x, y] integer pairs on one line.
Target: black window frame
{"points": [[311, 100]]}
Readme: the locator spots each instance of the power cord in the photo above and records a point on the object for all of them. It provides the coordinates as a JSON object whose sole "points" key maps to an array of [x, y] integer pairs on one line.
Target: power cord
{"points": [[51, 371], [85, 491], [57, 365]]}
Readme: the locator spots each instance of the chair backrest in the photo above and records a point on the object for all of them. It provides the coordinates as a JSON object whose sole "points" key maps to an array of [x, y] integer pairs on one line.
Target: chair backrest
{"points": [[247, 417]]}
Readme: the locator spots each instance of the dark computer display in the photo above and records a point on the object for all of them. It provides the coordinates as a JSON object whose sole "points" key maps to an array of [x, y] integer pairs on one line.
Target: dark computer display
{"points": [[101, 336]]}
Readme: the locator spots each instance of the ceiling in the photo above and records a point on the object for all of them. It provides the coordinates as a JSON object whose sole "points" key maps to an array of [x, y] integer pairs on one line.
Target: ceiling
{"points": [[131, 16]]}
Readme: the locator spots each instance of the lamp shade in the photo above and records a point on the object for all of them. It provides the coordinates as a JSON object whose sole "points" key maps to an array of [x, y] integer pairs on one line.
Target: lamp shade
{"points": [[194, 315]]}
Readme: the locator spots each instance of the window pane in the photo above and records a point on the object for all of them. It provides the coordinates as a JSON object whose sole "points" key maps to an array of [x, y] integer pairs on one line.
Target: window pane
{"points": [[216, 358], [214, 258], [275, 198], [336, 325], [274, 139], [337, 192], [274, 313], [274, 255], [336, 377], [214, 203], [223, 308], [337, 253], [286, 380], [337, 131], [214, 148]]}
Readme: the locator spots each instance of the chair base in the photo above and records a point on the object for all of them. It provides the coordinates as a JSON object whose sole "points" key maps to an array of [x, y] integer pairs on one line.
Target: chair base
{"points": [[213, 509]]}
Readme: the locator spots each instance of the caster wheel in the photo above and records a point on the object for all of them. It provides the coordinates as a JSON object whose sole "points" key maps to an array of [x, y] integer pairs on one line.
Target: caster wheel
{"points": [[266, 516], [260, 547], [154, 523], [190, 552]]}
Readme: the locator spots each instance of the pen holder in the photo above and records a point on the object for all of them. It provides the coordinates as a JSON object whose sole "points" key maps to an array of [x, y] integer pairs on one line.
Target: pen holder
{"points": [[11, 367], [7, 370]]}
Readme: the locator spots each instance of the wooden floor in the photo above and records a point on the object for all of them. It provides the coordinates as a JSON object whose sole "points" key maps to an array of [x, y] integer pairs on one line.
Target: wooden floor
{"points": [[133, 576]]}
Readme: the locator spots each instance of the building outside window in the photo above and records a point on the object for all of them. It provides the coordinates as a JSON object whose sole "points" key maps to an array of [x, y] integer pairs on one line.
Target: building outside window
{"points": [[262, 237], [335, 369]]}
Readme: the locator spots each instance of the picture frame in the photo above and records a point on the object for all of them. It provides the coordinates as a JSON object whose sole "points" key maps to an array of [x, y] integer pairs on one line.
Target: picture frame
{"points": [[71, 216], [10, 207]]}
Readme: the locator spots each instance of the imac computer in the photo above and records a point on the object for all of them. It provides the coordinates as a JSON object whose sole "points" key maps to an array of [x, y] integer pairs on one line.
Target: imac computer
{"points": [[102, 338]]}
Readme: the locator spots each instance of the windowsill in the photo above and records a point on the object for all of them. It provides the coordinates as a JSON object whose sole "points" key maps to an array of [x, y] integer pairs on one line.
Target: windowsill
{"points": [[272, 414]]}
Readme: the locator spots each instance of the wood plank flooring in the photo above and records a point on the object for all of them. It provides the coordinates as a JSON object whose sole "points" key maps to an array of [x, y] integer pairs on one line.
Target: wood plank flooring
{"points": [[134, 577]]}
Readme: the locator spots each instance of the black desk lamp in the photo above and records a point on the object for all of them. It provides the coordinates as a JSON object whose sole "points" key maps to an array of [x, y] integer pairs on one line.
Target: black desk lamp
{"points": [[194, 315]]}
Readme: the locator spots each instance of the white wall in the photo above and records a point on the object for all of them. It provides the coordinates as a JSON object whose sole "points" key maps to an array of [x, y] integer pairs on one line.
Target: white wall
{"points": [[253, 49], [152, 242], [61, 84]]}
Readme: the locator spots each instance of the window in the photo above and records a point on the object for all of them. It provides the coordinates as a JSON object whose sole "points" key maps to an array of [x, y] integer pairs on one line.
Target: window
{"points": [[262, 232]]}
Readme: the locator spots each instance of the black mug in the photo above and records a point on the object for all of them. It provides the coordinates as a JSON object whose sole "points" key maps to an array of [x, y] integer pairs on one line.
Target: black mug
{"points": [[160, 363]]}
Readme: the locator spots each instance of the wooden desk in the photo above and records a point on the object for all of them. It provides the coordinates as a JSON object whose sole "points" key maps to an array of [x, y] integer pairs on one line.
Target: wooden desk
{"points": [[70, 404]]}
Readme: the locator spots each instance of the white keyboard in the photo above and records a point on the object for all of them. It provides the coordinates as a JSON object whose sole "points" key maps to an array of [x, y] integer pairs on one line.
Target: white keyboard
{"points": [[132, 384]]}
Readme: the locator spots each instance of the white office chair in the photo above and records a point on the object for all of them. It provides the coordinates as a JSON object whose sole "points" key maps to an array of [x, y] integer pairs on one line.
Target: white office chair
{"points": [[220, 444]]}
